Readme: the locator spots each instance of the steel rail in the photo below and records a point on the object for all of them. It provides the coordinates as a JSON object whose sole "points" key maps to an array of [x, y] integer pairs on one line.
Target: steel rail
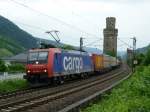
{"points": [[77, 105], [53, 90], [43, 99]]}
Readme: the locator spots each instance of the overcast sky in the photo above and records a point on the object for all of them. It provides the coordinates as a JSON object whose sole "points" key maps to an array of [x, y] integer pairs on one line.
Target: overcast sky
{"points": [[86, 18]]}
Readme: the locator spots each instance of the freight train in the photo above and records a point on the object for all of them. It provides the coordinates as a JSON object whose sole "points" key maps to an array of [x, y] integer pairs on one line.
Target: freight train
{"points": [[55, 65]]}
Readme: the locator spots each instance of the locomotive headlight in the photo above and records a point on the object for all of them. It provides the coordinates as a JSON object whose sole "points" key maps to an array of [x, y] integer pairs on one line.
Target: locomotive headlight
{"points": [[45, 70], [28, 71]]}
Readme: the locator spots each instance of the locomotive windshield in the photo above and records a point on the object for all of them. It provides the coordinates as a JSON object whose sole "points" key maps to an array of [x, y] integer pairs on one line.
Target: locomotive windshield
{"points": [[39, 57]]}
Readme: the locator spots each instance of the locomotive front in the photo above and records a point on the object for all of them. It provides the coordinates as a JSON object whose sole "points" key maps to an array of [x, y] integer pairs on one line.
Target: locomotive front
{"points": [[37, 65]]}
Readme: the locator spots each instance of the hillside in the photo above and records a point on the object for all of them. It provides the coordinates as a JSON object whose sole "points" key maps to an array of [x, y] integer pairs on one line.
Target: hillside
{"points": [[14, 40], [144, 49], [9, 47]]}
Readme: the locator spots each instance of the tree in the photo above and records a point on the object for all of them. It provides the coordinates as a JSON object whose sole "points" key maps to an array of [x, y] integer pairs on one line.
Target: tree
{"points": [[147, 58], [3, 67], [110, 53], [140, 58], [68, 47], [16, 67]]}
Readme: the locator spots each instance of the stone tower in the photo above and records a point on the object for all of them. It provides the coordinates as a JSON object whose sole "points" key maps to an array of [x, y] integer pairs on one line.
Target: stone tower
{"points": [[110, 37]]}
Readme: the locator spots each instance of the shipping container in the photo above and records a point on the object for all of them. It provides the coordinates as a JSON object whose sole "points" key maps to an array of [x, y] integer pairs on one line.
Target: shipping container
{"points": [[107, 61], [98, 62], [112, 61]]}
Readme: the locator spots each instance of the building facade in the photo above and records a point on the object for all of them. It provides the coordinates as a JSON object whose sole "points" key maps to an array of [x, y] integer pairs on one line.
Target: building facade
{"points": [[110, 37]]}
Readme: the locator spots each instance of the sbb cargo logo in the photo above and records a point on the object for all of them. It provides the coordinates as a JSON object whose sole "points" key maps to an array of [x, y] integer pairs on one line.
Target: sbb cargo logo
{"points": [[72, 63]]}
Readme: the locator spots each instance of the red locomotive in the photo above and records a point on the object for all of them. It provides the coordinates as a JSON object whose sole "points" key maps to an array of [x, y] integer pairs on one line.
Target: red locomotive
{"points": [[54, 64]]}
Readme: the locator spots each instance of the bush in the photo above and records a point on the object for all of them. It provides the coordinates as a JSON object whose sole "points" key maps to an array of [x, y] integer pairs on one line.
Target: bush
{"points": [[68, 47], [3, 67], [143, 59], [16, 68], [146, 61], [140, 58], [133, 95]]}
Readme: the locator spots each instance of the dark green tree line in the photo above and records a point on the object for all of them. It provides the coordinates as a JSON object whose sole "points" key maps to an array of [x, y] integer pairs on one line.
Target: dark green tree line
{"points": [[3, 67], [143, 59]]}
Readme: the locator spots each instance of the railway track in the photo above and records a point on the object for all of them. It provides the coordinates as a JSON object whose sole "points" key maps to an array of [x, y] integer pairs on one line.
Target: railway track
{"points": [[76, 106], [35, 99], [19, 93], [63, 102]]}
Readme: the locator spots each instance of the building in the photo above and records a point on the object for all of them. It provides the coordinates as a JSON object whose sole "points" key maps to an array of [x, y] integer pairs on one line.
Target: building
{"points": [[19, 58], [129, 56], [110, 37]]}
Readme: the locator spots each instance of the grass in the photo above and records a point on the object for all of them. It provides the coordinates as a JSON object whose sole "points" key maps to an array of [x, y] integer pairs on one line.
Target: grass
{"points": [[132, 95], [12, 85]]}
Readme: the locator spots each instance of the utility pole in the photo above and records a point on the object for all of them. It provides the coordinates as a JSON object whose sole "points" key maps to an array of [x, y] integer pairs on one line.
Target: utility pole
{"points": [[134, 54], [81, 43]]}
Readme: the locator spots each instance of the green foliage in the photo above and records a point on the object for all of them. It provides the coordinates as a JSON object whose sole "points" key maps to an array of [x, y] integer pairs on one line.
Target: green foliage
{"points": [[13, 40], [133, 95], [4, 52], [10, 46], [147, 58], [12, 85], [16, 67], [140, 58], [68, 47], [143, 59], [10, 30], [111, 53], [143, 49], [3, 67]]}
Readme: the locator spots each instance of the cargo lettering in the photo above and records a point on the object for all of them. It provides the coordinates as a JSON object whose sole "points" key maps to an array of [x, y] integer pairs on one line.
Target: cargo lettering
{"points": [[72, 63]]}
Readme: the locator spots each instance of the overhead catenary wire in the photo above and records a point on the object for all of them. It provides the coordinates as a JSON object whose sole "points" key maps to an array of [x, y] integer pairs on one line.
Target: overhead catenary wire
{"points": [[121, 45], [53, 18], [35, 27], [124, 43], [95, 45], [82, 17], [93, 42], [31, 26], [89, 44], [60, 21], [96, 41]]}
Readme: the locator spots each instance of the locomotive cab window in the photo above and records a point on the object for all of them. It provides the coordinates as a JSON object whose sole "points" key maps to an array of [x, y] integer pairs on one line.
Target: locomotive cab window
{"points": [[33, 56], [40, 56], [43, 56]]}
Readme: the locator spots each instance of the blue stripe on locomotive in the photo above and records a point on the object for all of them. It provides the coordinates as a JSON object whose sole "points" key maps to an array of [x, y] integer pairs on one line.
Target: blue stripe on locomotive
{"points": [[71, 63]]}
